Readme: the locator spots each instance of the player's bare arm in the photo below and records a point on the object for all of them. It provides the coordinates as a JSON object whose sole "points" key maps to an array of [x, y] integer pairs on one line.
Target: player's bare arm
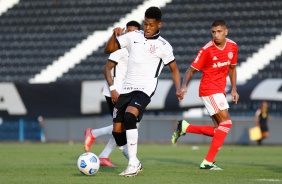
{"points": [[112, 44], [176, 79], [109, 78], [188, 76], [233, 78]]}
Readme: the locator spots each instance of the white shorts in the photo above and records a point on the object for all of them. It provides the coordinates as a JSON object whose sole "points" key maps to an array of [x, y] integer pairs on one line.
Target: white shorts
{"points": [[215, 102]]}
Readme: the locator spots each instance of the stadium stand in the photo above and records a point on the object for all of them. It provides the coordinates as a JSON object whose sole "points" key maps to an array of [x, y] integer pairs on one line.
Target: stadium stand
{"points": [[186, 25], [34, 33]]}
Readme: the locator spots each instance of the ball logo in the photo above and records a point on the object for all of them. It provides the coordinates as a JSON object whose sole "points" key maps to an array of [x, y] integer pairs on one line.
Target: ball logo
{"points": [[83, 164], [92, 171], [93, 159], [230, 55]]}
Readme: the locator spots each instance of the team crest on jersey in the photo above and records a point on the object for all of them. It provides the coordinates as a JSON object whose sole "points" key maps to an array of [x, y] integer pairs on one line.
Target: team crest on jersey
{"points": [[230, 55], [153, 49]]}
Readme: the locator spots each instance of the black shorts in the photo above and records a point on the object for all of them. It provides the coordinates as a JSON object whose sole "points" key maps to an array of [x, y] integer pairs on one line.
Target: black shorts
{"points": [[136, 99], [110, 104], [264, 128]]}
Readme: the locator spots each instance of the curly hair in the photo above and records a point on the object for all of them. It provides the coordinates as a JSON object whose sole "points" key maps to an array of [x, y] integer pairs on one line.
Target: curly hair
{"points": [[154, 13]]}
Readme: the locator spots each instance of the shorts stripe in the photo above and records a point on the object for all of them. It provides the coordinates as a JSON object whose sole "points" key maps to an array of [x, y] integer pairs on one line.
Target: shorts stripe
{"points": [[214, 105]]}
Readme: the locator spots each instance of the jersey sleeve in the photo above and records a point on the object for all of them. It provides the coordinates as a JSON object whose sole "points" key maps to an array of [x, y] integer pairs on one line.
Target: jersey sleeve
{"points": [[167, 54], [116, 56], [235, 57], [200, 60], [124, 40]]}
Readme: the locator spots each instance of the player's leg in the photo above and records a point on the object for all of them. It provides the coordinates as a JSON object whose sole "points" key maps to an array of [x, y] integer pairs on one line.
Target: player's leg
{"points": [[119, 132], [184, 127], [133, 114], [104, 155], [220, 117], [264, 133], [92, 134], [217, 140]]}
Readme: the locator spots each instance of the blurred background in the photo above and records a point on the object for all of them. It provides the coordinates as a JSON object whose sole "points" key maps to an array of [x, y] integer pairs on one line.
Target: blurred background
{"points": [[51, 66]]}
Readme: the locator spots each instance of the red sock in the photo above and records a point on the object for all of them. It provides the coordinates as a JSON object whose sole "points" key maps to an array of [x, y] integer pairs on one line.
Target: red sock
{"points": [[218, 139], [205, 130]]}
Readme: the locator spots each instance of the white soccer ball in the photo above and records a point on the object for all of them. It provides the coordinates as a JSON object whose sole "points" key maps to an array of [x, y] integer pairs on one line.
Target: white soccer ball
{"points": [[88, 163]]}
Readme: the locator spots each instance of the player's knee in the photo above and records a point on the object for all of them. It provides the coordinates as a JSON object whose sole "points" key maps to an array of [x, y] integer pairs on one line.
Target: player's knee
{"points": [[130, 121], [225, 126]]}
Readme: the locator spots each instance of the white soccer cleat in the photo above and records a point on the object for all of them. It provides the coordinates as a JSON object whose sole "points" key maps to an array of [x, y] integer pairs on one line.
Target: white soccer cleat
{"points": [[130, 171]]}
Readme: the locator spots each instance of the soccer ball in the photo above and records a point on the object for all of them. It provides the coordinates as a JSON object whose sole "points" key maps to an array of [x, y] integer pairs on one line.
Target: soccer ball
{"points": [[88, 163]]}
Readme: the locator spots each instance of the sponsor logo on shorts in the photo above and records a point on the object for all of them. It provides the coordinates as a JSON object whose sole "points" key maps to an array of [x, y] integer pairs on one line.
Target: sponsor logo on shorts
{"points": [[115, 112], [138, 104]]}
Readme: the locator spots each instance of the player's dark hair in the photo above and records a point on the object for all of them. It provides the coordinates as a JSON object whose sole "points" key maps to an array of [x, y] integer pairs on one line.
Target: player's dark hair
{"points": [[133, 23], [153, 13], [219, 22]]}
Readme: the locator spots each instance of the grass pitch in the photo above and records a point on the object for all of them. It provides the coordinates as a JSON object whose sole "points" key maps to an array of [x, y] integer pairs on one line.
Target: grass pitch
{"points": [[53, 163]]}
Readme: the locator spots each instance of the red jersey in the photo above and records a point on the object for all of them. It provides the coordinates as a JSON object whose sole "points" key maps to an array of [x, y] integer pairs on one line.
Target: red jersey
{"points": [[214, 63]]}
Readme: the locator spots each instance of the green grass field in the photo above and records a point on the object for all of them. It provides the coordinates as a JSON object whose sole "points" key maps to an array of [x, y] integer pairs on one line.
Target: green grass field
{"points": [[52, 163]]}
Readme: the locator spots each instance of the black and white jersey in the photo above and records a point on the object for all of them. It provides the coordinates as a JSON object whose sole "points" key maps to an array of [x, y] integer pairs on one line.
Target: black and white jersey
{"points": [[120, 57], [147, 58]]}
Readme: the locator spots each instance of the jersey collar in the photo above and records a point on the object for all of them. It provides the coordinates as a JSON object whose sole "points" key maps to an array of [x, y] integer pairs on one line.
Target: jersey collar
{"points": [[155, 36]]}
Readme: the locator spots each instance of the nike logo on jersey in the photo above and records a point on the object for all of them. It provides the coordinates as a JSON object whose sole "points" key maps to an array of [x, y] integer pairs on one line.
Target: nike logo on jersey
{"points": [[135, 42], [214, 58], [138, 104], [132, 144]]}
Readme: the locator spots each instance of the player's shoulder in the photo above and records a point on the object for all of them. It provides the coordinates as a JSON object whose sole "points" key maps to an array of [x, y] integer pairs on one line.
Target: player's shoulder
{"points": [[207, 45], [231, 41], [137, 32], [162, 40]]}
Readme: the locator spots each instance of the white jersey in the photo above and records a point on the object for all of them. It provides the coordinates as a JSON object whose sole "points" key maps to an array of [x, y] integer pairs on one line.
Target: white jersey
{"points": [[147, 58], [120, 57]]}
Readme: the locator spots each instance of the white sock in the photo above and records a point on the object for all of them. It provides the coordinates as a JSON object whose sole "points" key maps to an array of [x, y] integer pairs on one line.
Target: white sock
{"points": [[124, 151], [132, 140], [102, 131], [109, 148]]}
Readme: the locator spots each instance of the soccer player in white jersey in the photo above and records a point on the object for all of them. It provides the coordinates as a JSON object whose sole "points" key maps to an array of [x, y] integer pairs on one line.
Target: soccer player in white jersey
{"points": [[217, 59], [116, 67], [148, 54]]}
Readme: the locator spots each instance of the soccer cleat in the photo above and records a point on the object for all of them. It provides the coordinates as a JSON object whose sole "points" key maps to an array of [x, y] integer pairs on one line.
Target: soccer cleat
{"points": [[139, 167], [89, 139], [180, 130], [209, 166], [131, 171], [106, 162]]}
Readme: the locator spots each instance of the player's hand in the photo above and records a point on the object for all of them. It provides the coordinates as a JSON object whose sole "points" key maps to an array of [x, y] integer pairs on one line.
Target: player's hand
{"points": [[118, 31], [179, 95], [235, 96], [115, 96], [183, 90]]}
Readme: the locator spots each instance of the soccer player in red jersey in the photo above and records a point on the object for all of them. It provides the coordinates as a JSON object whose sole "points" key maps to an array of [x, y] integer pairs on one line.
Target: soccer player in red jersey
{"points": [[216, 59]]}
